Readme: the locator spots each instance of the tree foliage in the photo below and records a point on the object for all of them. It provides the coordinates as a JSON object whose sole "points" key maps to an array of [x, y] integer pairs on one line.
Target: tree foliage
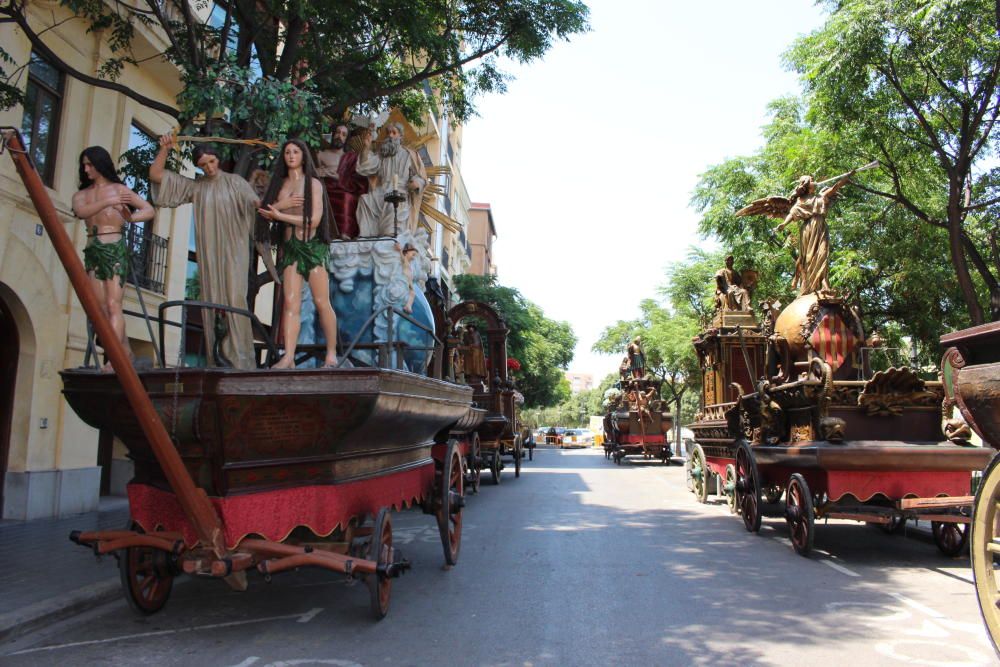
{"points": [[543, 346], [271, 68], [914, 84]]}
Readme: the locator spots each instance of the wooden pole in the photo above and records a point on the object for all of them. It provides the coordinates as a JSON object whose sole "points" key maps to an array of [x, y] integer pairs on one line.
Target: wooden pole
{"points": [[193, 500]]}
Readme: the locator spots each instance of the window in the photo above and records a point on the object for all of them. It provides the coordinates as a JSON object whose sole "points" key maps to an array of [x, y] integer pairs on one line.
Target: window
{"points": [[42, 110]]}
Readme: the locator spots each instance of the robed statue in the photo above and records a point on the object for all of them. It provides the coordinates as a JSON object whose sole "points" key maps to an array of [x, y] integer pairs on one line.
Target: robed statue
{"points": [[732, 289], [809, 208]]}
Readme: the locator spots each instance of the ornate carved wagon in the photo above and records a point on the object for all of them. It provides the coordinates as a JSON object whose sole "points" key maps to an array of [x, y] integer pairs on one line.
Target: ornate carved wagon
{"points": [[266, 470], [636, 423], [970, 370], [836, 440], [500, 433]]}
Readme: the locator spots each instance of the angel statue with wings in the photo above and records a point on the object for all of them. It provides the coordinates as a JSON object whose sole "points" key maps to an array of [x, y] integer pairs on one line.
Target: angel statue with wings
{"points": [[809, 208]]}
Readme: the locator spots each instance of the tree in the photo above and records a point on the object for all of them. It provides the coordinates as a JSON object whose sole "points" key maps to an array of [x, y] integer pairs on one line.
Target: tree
{"points": [[544, 347], [271, 69], [902, 282], [914, 84]]}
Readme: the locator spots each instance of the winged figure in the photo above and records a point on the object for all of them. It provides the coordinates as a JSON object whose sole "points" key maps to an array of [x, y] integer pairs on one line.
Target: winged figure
{"points": [[808, 207]]}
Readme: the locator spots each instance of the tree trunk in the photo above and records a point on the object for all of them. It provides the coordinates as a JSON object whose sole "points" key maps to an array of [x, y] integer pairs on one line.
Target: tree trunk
{"points": [[958, 260]]}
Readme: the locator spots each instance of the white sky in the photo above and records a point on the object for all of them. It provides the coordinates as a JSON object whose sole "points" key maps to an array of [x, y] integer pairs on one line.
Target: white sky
{"points": [[590, 158]]}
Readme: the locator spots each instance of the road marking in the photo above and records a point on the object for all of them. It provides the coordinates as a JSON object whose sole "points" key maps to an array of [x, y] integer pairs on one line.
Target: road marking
{"points": [[916, 605], [308, 616], [840, 568], [972, 658], [249, 661], [314, 661]]}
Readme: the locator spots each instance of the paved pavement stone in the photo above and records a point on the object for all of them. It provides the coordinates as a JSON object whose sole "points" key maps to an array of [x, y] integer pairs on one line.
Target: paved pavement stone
{"points": [[45, 576]]}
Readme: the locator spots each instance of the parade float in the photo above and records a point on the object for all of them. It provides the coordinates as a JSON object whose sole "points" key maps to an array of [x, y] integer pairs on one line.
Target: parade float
{"points": [[636, 422], [266, 470], [790, 408]]}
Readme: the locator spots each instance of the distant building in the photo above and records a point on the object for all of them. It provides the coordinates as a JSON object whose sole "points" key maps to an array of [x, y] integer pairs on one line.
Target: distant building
{"points": [[482, 231], [580, 382]]}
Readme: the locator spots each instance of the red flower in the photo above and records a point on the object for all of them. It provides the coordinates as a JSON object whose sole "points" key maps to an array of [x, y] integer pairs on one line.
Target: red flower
{"points": [[513, 364]]}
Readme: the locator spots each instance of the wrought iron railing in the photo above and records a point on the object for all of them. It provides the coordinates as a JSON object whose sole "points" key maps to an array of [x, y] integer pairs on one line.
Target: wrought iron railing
{"points": [[148, 254]]}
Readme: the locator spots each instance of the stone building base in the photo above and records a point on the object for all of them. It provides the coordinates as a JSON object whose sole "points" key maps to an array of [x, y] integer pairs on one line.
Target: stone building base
{"points": [[38, 494]]}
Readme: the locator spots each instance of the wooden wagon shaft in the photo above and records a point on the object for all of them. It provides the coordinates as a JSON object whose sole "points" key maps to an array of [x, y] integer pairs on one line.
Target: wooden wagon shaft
{"points": [[287, 557], [194, 502]]}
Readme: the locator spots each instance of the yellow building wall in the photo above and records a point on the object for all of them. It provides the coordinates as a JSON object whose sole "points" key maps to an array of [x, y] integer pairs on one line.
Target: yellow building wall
{"points": [[52, 470]]}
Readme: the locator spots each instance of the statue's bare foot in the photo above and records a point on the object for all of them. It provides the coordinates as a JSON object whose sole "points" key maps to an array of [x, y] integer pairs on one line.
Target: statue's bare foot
{"points": [[407, 309], [107, 367], [331, 361], [285, 362]]}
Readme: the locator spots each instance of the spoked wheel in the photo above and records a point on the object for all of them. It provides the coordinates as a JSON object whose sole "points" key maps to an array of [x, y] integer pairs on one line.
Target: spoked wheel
{"points": [[531, 451], [772, 494], [985, 535], [147, 577], [729, 487], [449, 516], [799, 514], [950, 537], [475, 463], [699, 474], [518, 451], [380, 551], [747, 487], [495, 464]]}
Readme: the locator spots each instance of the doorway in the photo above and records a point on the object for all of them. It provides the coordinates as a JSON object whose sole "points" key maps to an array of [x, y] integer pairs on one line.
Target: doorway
{"points": [[9, 352]]}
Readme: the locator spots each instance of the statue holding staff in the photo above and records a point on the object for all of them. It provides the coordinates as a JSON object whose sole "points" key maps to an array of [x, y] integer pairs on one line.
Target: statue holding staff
{"points": [[107, 205], [809, 208], [393, 168], [225, 207]]}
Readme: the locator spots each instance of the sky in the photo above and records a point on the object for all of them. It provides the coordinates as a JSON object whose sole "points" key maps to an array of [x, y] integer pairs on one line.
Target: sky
{"points": [[590, 158]]}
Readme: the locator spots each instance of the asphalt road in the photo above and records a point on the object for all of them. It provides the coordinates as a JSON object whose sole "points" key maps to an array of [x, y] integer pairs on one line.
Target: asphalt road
{"points": [[578, 562]]}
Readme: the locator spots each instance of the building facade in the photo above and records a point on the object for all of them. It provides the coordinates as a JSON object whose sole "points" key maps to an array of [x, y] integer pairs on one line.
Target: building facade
{"points": [[51, 463], [482, 231], [579, 382]]}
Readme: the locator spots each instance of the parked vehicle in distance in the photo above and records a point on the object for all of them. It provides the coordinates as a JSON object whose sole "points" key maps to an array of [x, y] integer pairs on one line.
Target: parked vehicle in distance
{"points": [[554, 435], [577, 437]]}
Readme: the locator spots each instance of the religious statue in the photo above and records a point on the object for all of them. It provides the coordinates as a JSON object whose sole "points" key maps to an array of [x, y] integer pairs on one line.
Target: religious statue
{"points": [[225, 208], [457, 358], [337, 167], [624, 369], [474, 361], [730, 292], [809, 208], [407, 253], [636, 358], [394, 168], [296, 198], [107, 205]]}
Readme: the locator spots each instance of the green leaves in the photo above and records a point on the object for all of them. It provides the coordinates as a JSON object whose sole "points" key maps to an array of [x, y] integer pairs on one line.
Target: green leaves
{"points": [[543, 346]]}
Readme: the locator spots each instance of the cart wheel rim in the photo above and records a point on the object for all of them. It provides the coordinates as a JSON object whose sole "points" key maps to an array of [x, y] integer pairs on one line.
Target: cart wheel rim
{"points": [[747, 488], [476, 463], [984, 533], [699, 474], [950, 538], [449, 516], [380, 550], [518, 447], [799, 514], [730, 487]]}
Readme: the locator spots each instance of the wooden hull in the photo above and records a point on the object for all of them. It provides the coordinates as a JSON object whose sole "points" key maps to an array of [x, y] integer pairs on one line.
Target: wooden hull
{"points": [[248, 431]]}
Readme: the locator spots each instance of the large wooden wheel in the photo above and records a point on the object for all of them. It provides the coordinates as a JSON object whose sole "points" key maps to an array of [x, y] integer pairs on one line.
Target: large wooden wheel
{"points": [[985, 536], [747, 487], [449, 515], [518, 452], [729, 487], [380, 550], [950, 537], [147, 577], [799, 514], [474, 461], [699, 474]]}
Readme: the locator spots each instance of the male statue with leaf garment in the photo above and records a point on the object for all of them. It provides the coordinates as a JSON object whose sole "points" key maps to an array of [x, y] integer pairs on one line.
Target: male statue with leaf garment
{"points": [[809, 208]]}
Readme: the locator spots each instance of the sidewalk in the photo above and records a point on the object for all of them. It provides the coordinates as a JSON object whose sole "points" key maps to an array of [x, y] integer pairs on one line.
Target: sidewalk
{"points": [[46, 577]]}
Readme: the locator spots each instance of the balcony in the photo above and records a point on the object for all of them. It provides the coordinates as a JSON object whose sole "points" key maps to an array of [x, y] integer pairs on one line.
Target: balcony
{"points": [[148, 254]]}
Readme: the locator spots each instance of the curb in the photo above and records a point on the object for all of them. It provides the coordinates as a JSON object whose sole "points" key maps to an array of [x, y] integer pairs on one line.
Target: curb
{"points": [[16, 623]]}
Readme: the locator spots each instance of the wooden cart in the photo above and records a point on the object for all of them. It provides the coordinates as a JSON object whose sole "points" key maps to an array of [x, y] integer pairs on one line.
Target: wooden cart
{"points": [[266, 470], [869, 449]]}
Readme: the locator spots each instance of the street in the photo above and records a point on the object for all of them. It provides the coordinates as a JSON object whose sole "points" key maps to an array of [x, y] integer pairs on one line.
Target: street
{"points": [[577, 562]]}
